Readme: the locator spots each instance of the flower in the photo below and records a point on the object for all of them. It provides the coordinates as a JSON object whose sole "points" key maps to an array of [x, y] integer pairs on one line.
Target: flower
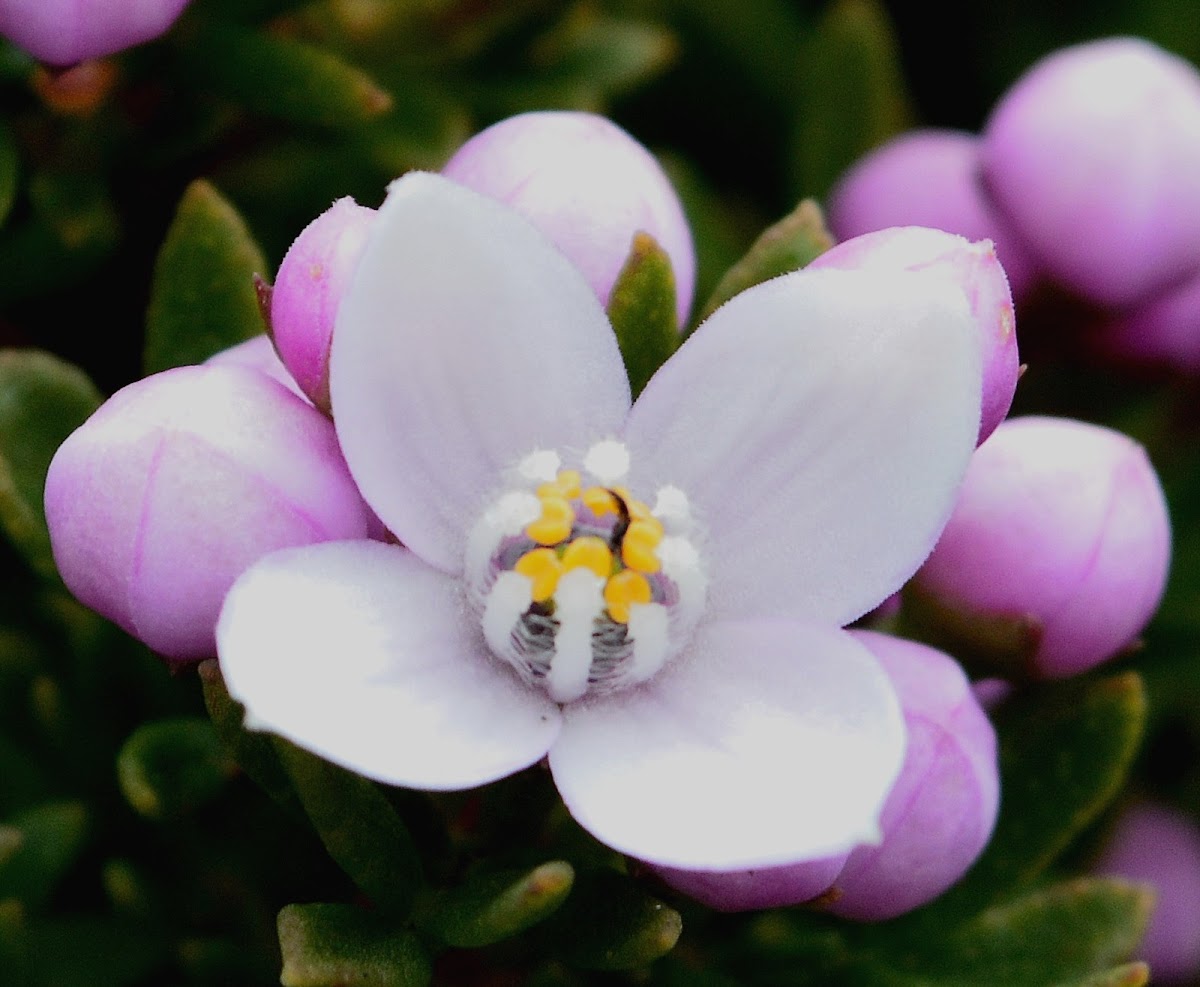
{"points": [[177, 483], [936, 821], [588, 186], [1057, 553], [928, 177], [63, 32], [651, 596], [1094, 157]]}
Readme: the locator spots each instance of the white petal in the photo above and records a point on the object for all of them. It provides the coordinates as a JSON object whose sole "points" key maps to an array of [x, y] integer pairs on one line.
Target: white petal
{"points": [[770, 742], [362, 653], [819, 424], [465, 343]]}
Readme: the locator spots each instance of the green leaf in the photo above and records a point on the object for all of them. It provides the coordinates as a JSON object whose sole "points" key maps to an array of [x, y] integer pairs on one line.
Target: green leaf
{"points": [[495, 906], [610, 923], [203, 298], [11, 839], [852, 95], [9, 172], [170, 767], [92, 951], [359, 828], [641, 308], [783, 247], [283, 78], [1127, 975], [1063, 933], [1065, 749], [42, 401], [52, 836], [336, 945]]}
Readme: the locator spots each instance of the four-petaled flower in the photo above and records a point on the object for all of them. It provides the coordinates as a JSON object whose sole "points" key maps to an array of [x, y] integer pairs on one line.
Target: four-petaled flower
{"points": [[653, 595]]}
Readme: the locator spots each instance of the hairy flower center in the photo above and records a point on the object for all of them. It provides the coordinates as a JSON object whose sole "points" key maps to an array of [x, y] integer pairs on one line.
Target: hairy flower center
{"points": [[579, 585]]}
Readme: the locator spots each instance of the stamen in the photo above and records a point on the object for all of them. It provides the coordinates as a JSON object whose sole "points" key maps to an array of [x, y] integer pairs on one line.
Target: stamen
{"points": [[637, 548], [542, 565], [555, 523], [566, 484], [578, 604], [540, 466], [607, 461], [599, 500], [588, 552], [622, 591]]}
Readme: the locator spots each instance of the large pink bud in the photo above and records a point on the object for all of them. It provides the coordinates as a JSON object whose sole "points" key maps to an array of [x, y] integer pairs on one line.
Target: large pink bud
{"points": [[1094, 156], [973, 267], [160, 500], [63, 32], [1162, 332], [1056, 554], [928, 178], [588, 186], [935, 822]]}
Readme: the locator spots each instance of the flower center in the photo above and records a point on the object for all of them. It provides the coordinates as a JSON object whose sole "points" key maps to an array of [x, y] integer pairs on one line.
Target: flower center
{"points": [[579, 585]]}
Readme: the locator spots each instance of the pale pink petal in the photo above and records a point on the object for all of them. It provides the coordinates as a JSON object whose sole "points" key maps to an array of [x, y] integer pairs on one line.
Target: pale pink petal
{"points": [[363, 654], [464, 343], [820, 423], [769, 742]]}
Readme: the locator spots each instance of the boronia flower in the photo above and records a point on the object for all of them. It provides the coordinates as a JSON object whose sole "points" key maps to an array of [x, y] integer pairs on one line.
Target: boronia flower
{"points": [[651, 596]]}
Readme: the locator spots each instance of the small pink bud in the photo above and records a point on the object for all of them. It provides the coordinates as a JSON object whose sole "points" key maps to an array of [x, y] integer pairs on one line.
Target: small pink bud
{"points": [[1163, 332], [1161, 846], [309, 286], [160, 500], [258, 354], [973, 267], [1094, 156], [588, 186], [1056, 554], [934, 824], [63, 32], [928, 178]]}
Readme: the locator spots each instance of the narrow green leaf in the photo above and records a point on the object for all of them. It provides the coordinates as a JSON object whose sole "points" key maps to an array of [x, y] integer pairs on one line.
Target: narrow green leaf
{"points": [[203, 298], [496, 906], [852, 95], [641, 308], [284, 78], [42, 401], [9, 172], [610, 923], [52, 836], [359, 828], [783, 247], [170, 767], [337, 945]]}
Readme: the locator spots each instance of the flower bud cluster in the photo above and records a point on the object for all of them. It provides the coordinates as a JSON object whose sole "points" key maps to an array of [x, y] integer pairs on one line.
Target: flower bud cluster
{"points": [[1086, 175]]}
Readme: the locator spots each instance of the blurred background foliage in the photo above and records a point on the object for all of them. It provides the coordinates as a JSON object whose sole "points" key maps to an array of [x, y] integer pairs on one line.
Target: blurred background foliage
{"points": [[143, 842]]}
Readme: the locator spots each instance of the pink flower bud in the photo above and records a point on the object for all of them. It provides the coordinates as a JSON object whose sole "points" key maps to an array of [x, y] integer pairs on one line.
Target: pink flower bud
{"points": [[934, 824], [1161, 846], [588, 186], [258, 354], [1164, 331], [63, 32], [941, 811], [178, 483], [1094, 156], [309, 286], [1056, 554], [971, 266], [928, 178]]}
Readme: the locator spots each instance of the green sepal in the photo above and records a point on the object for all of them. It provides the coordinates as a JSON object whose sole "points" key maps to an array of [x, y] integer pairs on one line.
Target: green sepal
{"points": [[202, 299], [641, 308], [335, 945], [42, 401], [610, 923], [852, 93], [167, 768], [52, 837], [1065, 749], [358, 827], [1056, 935], [283, 78], [9, 171], [491, 907], [783, 247]]}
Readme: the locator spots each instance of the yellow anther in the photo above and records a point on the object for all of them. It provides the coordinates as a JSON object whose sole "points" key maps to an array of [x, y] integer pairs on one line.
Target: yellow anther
{"points": [[543, 567], [637, 548], [622, 591], [599, 501], [636, 508], [567, 484], [588, 552], [555, 523]]}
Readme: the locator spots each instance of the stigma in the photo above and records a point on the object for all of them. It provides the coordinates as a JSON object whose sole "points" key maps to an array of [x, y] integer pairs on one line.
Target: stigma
{"points": [[580, 585]]}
